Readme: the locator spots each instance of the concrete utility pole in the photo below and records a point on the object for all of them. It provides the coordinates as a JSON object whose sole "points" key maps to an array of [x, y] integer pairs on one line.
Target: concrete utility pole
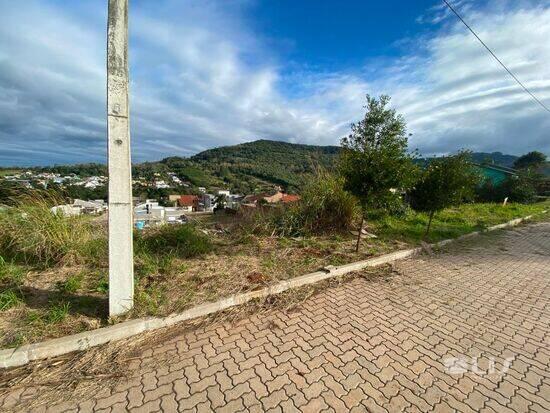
{"points": [[121, 254]]}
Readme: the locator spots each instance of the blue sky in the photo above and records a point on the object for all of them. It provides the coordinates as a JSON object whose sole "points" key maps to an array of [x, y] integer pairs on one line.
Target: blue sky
{"points": [[207, 73]]}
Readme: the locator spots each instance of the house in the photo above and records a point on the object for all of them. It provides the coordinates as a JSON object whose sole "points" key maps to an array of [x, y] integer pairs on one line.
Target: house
{"points": [[80, 207], [275, 198], [150, 213], [288, 198], [94, 207], [495, 173], [160, 184], [189, 203]]}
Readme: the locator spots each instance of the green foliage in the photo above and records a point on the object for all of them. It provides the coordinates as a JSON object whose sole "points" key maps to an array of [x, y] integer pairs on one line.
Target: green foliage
{"points": [[324, 207], [446, 181], [180, 240], [71, 284], [31, 233], [57, 312], [266, 162], [10, 273], [532, 159], [82, 170], [9, 298], [520, 188], [374, 158]]}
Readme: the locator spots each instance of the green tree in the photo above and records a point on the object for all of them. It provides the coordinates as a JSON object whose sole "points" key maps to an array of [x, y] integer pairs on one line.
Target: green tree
{"points": [[530, 160], [374, 157], [444, 182]]}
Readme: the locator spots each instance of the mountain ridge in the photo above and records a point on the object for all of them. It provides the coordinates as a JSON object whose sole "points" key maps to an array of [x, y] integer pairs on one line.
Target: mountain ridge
{"points": [[246, 167]]}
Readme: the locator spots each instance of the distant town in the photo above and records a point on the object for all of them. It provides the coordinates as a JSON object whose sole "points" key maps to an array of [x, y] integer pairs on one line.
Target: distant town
{"points": [[176, 208]]}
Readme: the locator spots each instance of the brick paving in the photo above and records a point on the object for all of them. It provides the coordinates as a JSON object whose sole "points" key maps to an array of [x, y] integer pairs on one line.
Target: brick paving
{"points": [[467, 330]]}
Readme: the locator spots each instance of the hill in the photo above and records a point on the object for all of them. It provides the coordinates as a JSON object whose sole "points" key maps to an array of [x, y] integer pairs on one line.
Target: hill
{"points": [[245, 168]]}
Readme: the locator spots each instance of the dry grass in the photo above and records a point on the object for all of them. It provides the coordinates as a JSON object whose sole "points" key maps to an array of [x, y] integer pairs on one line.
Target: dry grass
{"points": [[69, 299]]}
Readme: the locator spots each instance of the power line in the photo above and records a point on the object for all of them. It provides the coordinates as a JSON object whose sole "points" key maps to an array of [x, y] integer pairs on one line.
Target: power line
{"points": [[496, 58]]}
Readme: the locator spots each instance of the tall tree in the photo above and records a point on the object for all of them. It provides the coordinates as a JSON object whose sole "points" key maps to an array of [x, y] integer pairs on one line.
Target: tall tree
{"points": [[374, 158], [530, 160], [444, 182]]}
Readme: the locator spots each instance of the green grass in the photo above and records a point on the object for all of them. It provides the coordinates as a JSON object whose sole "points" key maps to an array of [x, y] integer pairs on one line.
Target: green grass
{"points": [[9, 298], [4, 172], [31, 234], [10, 273], [71, 284], [451, 222], [57, 312]]}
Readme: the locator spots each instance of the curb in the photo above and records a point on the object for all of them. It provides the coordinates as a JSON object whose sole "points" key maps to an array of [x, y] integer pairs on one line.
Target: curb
{"points": [[85, 340]]}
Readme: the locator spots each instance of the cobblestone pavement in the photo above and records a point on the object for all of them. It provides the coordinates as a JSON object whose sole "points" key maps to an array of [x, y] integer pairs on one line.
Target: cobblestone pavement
{"points": [[466, 330]]}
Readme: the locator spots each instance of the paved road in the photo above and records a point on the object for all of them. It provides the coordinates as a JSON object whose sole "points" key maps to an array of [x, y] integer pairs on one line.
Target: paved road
{"points": [[467, 330]]}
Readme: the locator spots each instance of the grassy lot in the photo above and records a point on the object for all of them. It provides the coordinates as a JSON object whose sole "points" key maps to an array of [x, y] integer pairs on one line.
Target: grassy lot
{"points": [[452, 222], [54, 275], [5, 172]]}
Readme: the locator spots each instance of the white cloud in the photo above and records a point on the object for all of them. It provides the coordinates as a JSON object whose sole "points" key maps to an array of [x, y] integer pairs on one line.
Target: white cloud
{"points": [[200, 79]]}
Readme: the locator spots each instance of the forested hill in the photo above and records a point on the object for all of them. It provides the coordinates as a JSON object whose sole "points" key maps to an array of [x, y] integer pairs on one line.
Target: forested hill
{"points": [[247, 167]]}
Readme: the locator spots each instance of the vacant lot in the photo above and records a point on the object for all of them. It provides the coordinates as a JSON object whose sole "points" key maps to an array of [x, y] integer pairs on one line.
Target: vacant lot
{"points": [[64, 288]]}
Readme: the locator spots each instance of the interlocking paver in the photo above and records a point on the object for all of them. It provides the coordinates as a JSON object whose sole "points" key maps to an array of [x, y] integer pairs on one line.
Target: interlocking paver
{"points": [[466, 330]]}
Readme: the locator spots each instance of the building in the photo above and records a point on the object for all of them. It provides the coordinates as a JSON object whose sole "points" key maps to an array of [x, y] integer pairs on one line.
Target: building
{"points": [[189, 203], [150, 213], [495, 173], [271, 198]]}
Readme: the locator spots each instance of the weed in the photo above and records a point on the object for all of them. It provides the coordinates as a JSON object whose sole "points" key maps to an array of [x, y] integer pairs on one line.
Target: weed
{"points": [[102, 285], [179, 240], [8, 299], [10, 273], [57, 312], [17, 340], [150, 299], [71, 284], [31, 233]]}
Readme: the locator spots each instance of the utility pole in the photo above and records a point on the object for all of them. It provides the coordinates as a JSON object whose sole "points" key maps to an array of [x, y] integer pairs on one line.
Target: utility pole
{"points": [[121, 254]]}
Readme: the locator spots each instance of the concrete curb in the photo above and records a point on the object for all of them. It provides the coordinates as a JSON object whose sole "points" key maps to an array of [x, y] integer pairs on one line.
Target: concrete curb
{"points": [[87, 339]]}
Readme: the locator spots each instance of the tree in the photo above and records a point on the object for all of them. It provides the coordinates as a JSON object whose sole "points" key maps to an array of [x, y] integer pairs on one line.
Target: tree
{"points": [[374, 157], [444, 182], [530, 160]]}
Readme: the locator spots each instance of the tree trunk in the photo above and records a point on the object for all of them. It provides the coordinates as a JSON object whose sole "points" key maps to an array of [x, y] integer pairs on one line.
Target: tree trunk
{"points": [[429, 224], [359, 232]]}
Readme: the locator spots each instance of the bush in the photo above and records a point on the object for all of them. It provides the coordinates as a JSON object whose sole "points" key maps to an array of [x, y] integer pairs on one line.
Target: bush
{"points": [[519, 188], [181, 240], [324, 207], [445, 182], [31, 233]]}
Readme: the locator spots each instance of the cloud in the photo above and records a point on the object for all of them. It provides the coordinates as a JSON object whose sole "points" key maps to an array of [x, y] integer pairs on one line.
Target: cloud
{"points": [[201, 78]]}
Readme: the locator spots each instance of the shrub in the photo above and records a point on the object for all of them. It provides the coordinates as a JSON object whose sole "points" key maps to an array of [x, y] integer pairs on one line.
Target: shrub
{"points": [[181, 240], [446, 181], [324, 207], [519, 188]]}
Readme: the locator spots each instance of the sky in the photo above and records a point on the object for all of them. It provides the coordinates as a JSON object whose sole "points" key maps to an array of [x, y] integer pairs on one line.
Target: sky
{"points": [[208, 73]]}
